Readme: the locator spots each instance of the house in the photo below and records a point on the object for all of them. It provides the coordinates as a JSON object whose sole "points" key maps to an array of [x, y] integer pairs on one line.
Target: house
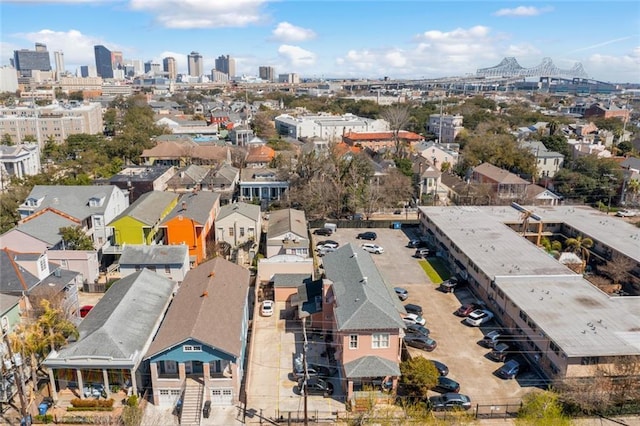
{"points": [[140, 222], [445, 127], [260, 156], [287, 233], [601, 110], [282, 274], [91, 207], [202, 341], [138, 180], [503, 184], [18, 160], [32, 275], [240, 135], [537, 195], [262, 184], [184, 152], [439, 154], [9, 319], [191, 223], [114, 336], [362, 313], [376, 141], [548, 163], [238, 223], [427, 180], [171, 262], [188, 178], [222, 180]]}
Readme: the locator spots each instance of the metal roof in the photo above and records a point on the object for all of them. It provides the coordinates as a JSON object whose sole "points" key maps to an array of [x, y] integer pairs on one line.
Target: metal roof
{"points": [[371, 366], [140, 254]]}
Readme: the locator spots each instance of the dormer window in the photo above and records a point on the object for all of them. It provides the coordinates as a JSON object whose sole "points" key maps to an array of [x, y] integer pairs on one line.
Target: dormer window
{"points": [[96, 201], [34, 202]]}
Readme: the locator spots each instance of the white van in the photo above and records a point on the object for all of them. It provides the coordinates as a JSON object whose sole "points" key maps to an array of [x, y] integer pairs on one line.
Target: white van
{"points": [[331, 226]]}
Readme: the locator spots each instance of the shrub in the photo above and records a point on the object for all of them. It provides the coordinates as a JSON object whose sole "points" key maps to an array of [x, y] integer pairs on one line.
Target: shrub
{"points": [[132, 401], [92, 403], [47, 418]]}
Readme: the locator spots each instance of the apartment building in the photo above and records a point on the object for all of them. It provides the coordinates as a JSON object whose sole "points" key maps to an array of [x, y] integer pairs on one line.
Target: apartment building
{"points": [[445, 127], [326, 126]]}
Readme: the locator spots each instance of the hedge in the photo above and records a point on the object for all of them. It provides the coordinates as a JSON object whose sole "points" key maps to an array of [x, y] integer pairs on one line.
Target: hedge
{"points": [[89, 403]]}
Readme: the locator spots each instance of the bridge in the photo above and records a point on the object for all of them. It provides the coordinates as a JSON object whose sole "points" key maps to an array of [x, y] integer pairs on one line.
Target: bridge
{"points": [[509, 67]]}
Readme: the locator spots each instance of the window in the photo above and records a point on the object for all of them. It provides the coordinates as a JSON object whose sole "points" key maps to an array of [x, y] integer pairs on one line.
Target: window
{"points": [[554, 348], [523, 316], [192, 348], [215, 366], [590, 360], [231, 231], [167, 269], [170, 367], [380, 340], [137, 268], [97, 221], [242, 232], [353, 341]]}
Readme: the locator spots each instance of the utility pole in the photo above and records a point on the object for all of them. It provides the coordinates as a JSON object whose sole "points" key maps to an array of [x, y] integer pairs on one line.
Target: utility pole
{"points": [[16, 361], [304, 364]]}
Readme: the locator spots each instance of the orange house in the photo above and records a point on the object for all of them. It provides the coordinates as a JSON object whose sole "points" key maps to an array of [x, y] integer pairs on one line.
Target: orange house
{"points": [[190, 223]]}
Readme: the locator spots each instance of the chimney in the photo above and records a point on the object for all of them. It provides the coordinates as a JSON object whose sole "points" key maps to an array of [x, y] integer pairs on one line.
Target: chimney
{"points": [[184, 205]]}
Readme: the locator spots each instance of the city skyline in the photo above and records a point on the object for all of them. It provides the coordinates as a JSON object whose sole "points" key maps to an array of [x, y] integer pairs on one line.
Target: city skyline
{"points": [[324, 39]]}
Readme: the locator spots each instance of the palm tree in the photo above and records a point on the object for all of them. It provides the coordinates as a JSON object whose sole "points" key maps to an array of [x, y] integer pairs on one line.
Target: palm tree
{"points": [[56, 327], [29, 341], [633, 187], [580, 246]]}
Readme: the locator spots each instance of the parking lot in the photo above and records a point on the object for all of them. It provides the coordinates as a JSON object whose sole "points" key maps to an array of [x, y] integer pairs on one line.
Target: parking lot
{"points": [[276, 340]]}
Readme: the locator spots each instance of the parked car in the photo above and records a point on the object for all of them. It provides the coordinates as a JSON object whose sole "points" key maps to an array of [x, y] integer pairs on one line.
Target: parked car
{"points": [[416, 244], [491, 339], [371, 236], [372, 248], [450, 401], [420, 342], [414, 319], [441, 367], [466, 309], [323, 231], [314, 370], [325, 250], [417, 329], [315, 386], [478, 317], [327, 244], [85, 310], [446, 384], [412, 308], [449, 285], [500, 352], [509, 369], [267, 308], [402, 293], [626, 213], [421, 253]]}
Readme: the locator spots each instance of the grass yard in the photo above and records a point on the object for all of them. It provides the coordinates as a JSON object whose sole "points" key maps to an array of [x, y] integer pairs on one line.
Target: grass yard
{"points": [[435, 269]]}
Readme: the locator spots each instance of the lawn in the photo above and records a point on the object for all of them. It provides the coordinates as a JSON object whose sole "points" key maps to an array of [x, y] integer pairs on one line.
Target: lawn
{"points": [[435, 269]]}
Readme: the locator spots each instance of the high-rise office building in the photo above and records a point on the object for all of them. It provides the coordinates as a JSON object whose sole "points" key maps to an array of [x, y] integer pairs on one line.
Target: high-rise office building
{"points": [[104, 66], [267, 73], [25, 60], [117, 61], [152, 67], [88, 71], [227, 65], [194, 64], [58, 57], [169, 66]]}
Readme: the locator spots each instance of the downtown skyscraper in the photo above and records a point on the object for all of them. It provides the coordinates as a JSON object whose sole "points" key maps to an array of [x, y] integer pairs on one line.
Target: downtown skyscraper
{"points": [[226, 64], [195, 65], [104, 66], [170, 67]]}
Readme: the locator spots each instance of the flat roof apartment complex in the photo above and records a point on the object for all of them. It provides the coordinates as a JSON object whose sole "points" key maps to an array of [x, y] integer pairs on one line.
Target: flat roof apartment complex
{"points": [[568, 327]]}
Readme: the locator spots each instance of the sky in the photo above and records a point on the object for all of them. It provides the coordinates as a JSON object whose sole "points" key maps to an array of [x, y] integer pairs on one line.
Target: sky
{"points": [[337, 38]]}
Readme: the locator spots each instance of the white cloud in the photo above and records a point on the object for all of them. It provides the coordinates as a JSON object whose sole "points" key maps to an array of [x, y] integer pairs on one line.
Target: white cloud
{"points": [[288, 33], [185, 14], [626, 66], [522, 50], [523, 11], [297, 57]]}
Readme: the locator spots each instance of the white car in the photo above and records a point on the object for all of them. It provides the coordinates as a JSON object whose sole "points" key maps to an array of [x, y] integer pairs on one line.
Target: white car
{"points": [[372, 248], [478, 317], [626, 213], [414, 319], [267, 308]]}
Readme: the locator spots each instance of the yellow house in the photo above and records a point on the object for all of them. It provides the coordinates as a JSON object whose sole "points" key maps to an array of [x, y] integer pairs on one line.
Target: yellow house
{"points": [[139, 223]]}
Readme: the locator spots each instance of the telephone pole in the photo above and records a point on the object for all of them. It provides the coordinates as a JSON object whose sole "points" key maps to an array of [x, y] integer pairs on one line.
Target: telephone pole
{"points": [[304, 364], [16, 365]]}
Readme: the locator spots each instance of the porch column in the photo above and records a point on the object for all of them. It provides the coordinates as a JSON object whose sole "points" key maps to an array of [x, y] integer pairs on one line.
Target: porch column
{"points": [[206, 374], [349, 390], [105, 378], [134, 385], [153, 367], [80, 383], [52, 384], [181, 371]]}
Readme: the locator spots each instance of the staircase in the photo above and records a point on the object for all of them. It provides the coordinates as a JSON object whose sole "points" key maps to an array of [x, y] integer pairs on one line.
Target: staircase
{"points": [[192, 403]]}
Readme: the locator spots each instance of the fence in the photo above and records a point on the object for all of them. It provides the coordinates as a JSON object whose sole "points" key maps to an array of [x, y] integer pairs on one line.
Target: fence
{"points": [[500, 411], [384, 223]]}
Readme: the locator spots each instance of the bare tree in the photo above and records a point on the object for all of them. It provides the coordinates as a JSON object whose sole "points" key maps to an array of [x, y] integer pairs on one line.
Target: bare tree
{"points": [[398, 116], [618, 268]]}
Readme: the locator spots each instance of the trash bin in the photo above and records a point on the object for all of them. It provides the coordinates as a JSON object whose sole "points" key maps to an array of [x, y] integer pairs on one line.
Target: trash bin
{"points": [[397, 225], [42, 408], [206, 410]]}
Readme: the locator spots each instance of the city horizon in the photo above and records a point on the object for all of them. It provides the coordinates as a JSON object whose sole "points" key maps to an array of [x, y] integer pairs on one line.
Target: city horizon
{"points": [[311, 40]]}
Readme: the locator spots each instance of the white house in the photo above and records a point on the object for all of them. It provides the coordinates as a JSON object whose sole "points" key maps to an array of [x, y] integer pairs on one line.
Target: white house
{"points": [[238, 223], [547, 162], [171, 261], [19, 161], [439, 153], [287, 233], [445, 127]]}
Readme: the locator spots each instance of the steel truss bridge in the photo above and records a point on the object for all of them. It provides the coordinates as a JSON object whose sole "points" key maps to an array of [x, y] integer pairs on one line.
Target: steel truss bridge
{"points": [[509, 67]]}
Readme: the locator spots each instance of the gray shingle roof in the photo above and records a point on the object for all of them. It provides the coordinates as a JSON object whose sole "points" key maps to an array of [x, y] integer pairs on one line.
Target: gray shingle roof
{"points": [[287, 220], [289, 280], [209, 307], [251, 211], [13, 278], [371, 366], [140, 254], [72, 200], [148, 208], [198, 206], [364, 299], [121, 324], [46, 227]]}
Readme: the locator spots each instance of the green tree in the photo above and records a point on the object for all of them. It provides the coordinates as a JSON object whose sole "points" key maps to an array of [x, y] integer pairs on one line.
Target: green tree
{"points": [[542, 408], [74, 238], [6, 140], [418, 375], [557, 143]]}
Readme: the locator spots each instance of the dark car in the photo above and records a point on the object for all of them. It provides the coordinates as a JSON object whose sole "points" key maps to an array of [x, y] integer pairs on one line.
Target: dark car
{"points": [[509, 369], [371, 236], [442, 368], [500, 352], [450, 401], [466, 309], [421, 253], [420, 342], [327, 232], [418, 329], [315, 386], [402, 293], [446, 384], [449, 285], [413, 309], [327, 243], [417, 244]]}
